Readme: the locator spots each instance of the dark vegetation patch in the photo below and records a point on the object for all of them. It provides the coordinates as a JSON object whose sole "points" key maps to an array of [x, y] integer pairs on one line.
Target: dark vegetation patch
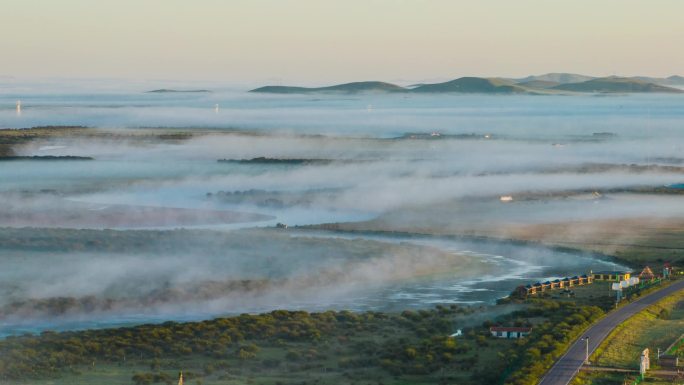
{"points": [[296, 346], [271, 161], [46, 157]]}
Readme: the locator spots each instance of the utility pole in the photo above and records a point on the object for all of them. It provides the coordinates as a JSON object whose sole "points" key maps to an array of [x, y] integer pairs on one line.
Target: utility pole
{"points": [[586, 353]]}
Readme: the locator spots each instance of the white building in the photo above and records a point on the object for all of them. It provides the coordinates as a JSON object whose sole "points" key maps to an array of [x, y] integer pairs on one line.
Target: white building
{"points": [[509, 332]]}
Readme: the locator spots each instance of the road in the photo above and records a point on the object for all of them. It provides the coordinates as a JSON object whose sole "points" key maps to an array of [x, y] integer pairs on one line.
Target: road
{"points": [[567, 366]]}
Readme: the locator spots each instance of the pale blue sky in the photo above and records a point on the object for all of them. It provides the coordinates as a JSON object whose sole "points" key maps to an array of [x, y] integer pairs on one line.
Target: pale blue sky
{"points": [[314, 41]]}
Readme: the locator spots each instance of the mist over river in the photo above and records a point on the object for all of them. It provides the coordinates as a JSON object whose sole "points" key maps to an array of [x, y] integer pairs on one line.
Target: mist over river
{"points": [[173, 206], [483, 272]]}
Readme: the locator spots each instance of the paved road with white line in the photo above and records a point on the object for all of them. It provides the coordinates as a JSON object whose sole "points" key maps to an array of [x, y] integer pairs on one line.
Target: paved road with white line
{"points": [[567, 366]]}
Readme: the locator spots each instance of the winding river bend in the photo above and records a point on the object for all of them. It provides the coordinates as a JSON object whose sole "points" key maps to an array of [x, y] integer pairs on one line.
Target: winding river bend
{"points": [[507, 264]]}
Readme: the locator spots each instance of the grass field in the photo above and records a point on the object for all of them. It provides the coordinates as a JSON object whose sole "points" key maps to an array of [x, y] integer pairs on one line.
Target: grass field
{"points": [[11, 138], [655, 327], [635, 241], [596, 294], [618, 379]]}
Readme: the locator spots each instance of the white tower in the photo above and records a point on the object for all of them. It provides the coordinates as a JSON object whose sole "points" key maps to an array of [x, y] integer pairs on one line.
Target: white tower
{"points": [[18, 107], [216, 108]]}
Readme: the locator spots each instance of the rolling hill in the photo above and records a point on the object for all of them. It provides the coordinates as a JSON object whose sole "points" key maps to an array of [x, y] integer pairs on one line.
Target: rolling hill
{"points": [[551, 83], [557, 77], [539, 84], [615, 84], [472, 85], [355, 87], [167, 91], [674, 80]]}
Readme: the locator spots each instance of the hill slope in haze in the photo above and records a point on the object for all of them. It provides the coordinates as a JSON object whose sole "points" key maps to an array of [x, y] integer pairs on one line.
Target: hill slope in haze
{"points": [[616, 84], [551, 83], [472, 85], [674, 80], [460, 85], [355, 87], [539, 84], [169, 91], [557, 77]]}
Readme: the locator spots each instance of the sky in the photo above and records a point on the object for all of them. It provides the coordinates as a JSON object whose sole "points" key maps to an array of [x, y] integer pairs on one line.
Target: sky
{"points": [[325, 41]]}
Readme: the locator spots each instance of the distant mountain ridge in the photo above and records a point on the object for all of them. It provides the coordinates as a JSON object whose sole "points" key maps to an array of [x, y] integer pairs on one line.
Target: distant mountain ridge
{"points": [[557, 77], [472, 85], [616, 84], [539, 84], [355, 87], [165, 90], [674, 80]]}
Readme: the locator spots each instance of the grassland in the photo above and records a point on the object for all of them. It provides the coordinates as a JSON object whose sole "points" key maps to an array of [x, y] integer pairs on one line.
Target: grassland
{"points": [[635, 241], [11, 139], [596, 294], [612, 378], [656, 327]]}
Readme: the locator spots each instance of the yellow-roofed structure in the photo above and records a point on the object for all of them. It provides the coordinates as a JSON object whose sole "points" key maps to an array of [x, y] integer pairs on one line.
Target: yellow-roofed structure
{"points": [[613, 276], [646, 274]]}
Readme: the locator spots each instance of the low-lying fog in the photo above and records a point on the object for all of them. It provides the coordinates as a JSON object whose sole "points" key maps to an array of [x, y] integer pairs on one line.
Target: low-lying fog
{"points": [[333, 179], [421, 162], [78, 278], [122, 104]]}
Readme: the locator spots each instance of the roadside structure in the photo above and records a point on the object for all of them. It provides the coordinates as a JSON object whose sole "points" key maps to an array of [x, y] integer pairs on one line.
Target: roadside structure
{"points": [[509, 331], [560, 283], [614, 276], [646, 274], [644, 363], [623, 279]]}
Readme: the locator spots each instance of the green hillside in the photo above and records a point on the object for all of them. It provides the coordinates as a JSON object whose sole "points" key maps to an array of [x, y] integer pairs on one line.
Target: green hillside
{"points": [[355, 87], [539, 84], [166, 91], [675, 80], [616, 84], [472, 85], [557, 77]]}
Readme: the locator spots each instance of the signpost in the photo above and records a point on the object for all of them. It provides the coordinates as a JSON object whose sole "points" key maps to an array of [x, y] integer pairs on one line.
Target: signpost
{"points": [[586, 353], [644, 363], [617, 287]]}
